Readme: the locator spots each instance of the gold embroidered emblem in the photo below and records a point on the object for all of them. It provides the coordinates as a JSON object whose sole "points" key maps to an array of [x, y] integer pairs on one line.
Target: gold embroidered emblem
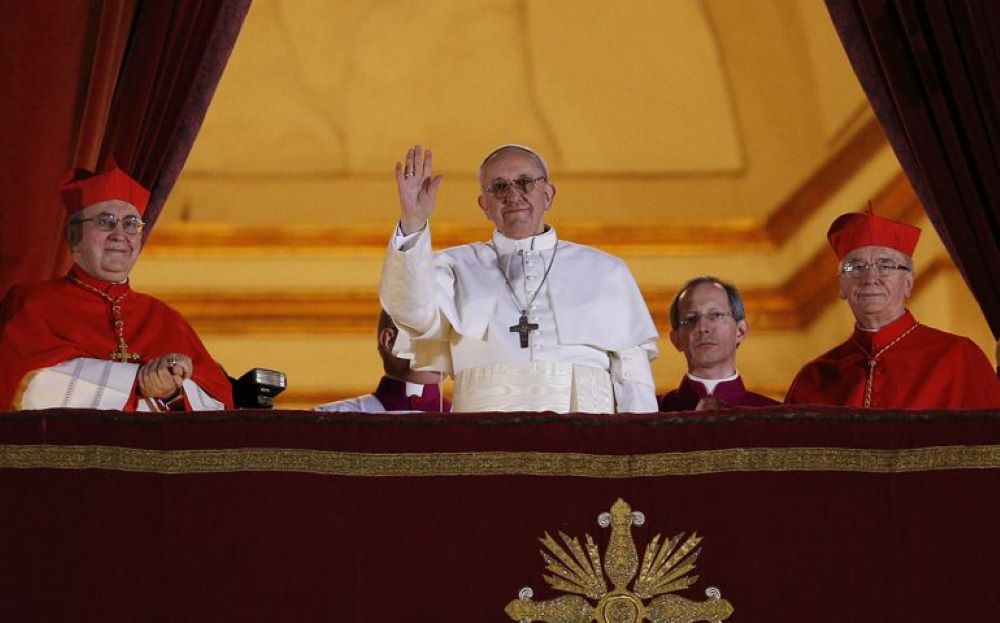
{"points": [[577, 569]]}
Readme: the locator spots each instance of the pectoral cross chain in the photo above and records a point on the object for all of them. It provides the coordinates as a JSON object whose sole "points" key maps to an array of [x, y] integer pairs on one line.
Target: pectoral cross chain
{"points": [[117, 323], [524, 328]]}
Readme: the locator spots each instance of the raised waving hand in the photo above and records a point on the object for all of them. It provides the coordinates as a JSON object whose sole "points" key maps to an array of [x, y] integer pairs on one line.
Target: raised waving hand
{"points": [[417, 186]]}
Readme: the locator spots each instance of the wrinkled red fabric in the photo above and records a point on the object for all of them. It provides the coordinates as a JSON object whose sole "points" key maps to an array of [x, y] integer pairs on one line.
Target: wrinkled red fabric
{"points": [[926, 369], [41, 47], [44, 323]]}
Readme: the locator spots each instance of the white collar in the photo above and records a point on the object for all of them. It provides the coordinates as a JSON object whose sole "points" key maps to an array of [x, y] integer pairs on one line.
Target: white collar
{"points": [[414, 389], [710, 384], [540, 242]]}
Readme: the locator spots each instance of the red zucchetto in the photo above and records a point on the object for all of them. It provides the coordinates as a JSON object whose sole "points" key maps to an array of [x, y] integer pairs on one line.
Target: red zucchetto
{"points": [[851, 231], [82, 189]]}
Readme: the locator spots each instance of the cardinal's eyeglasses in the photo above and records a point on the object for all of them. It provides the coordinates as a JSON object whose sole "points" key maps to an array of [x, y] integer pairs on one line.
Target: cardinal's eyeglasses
{"points": [[131, 223]]}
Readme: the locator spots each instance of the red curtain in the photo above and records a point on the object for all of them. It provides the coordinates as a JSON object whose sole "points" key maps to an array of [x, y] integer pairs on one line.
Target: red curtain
{"points": [[931, 70], [43, 52], [173, 64], [126, 78]]}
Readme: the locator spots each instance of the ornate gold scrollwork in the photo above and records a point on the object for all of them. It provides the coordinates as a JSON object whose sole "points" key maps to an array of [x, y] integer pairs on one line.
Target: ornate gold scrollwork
{"points": [[577, 569]]}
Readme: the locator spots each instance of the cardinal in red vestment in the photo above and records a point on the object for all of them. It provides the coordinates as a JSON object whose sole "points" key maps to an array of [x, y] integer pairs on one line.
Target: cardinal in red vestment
{"points": [[88, 340], [891, 360]]}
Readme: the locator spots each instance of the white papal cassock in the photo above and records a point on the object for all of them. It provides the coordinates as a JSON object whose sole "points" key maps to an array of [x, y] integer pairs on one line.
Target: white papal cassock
{"points": [[594, 340]]}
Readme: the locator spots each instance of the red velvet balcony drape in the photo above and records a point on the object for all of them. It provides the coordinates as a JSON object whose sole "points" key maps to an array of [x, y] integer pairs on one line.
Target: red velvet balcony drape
{"points": [[931, 70], [89, 79], [818, 515]]}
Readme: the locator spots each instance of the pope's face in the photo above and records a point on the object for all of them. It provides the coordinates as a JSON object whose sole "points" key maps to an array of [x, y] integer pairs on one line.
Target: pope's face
{"points": [[876, 299], [709, 346], [516, 215], [107, 255]]}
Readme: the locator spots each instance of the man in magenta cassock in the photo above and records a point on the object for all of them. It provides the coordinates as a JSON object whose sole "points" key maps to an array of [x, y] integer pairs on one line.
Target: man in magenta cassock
{"points": [[708, 323], [401, 389]]}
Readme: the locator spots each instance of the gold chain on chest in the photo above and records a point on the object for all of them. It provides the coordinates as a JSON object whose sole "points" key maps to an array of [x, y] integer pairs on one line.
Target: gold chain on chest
{"points": [[117, 323], [873, 360]]}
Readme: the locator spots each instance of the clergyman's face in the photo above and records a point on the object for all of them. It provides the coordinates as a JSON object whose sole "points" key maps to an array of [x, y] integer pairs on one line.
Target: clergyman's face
{"points": [[709, 346], [516, 215], [108, 255], [876, 299]]}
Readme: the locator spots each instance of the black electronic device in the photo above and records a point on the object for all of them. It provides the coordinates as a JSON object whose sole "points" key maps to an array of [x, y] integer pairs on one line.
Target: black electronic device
{"points": [[257, 388]]}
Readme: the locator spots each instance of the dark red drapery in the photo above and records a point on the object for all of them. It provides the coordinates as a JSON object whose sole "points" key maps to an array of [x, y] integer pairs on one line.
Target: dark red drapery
{"points": [[174, 61], [38, 117], [822, 515], [88, 79], [931, 70]]}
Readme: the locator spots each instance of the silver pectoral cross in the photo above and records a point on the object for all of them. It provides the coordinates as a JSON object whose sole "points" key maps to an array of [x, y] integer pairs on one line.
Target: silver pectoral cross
{"points": [[524, 328]]}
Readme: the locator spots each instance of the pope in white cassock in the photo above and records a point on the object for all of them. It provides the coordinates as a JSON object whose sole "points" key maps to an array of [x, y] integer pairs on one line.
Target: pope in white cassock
{"points": [[524, 321]]}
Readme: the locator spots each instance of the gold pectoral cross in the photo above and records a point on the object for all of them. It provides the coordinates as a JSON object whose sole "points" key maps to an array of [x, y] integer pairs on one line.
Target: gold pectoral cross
{"points": [[123, 355]]}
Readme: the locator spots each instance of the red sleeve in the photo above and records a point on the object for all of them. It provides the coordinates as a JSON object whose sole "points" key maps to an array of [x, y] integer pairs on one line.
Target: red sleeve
{"points": [[27, 340]]}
